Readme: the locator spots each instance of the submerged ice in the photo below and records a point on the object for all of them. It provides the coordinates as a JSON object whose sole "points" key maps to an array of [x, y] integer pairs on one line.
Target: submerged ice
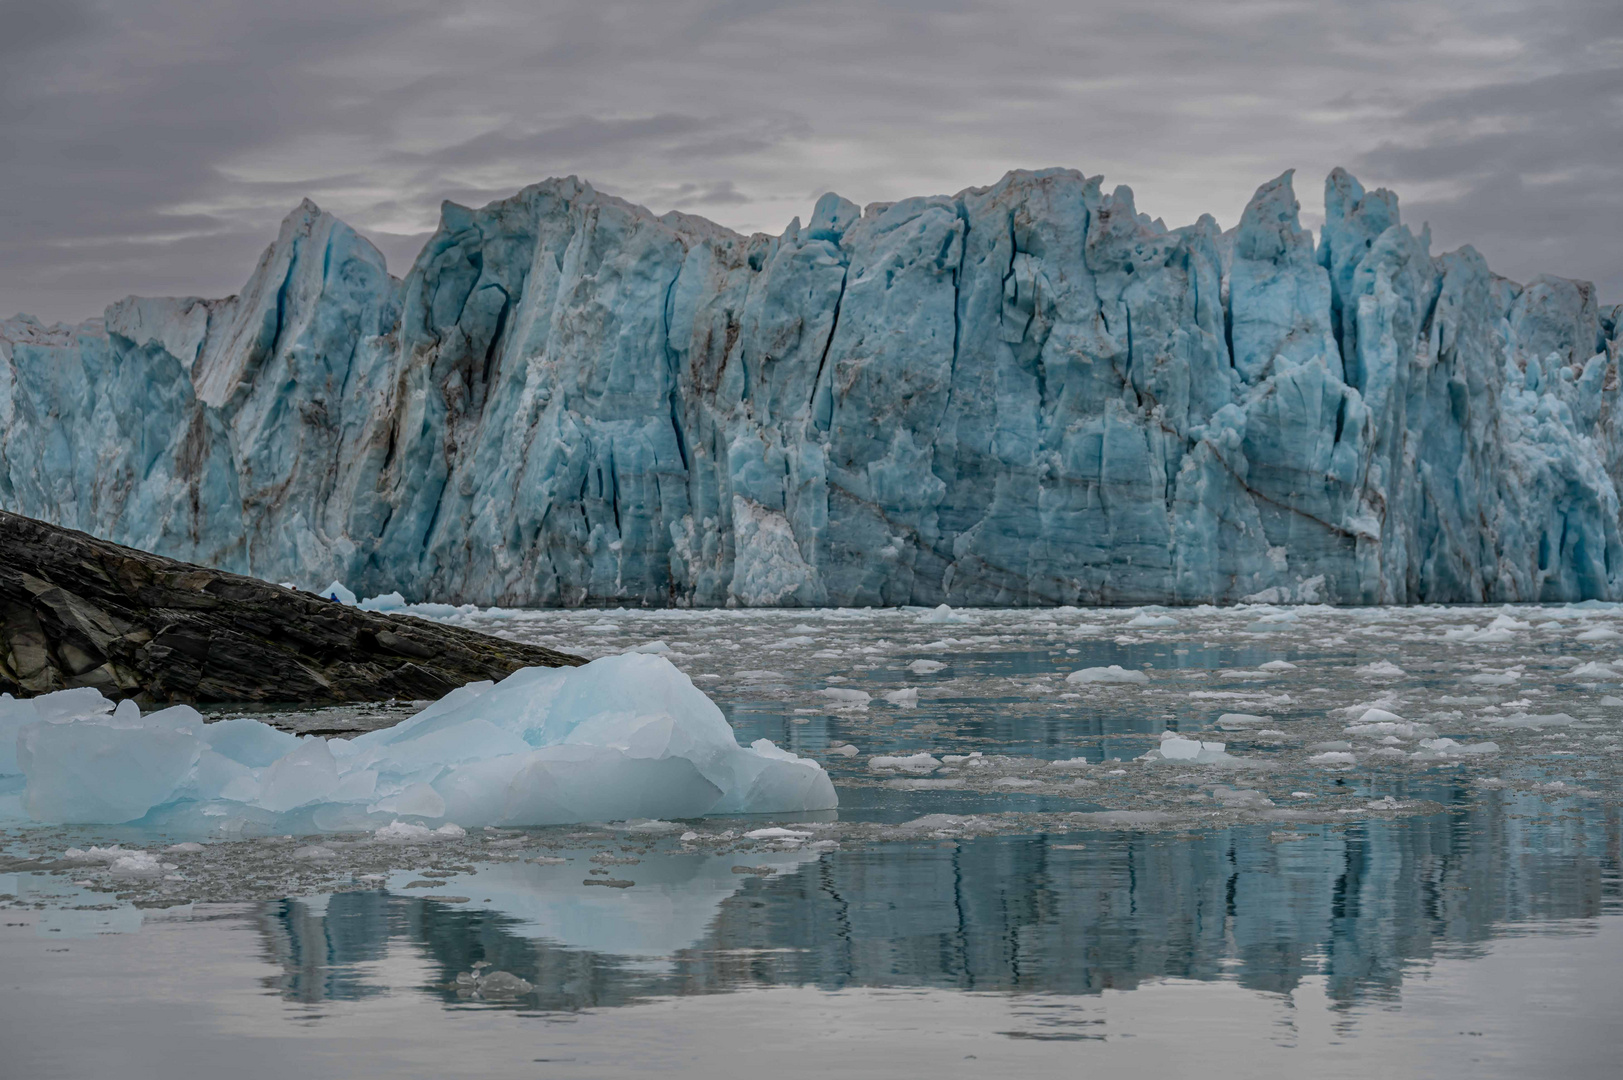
{"points": [[1029, 393], [622, 737]]}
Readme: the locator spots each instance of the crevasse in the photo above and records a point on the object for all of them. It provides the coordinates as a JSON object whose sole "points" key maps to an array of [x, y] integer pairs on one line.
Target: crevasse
{"points": [[1022, 394]]}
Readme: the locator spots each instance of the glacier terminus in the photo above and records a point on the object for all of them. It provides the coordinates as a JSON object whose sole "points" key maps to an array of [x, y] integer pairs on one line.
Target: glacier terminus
{"points": [[1025, 394]]}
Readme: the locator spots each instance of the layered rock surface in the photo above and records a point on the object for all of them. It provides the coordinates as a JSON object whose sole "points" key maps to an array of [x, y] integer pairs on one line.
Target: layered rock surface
{"points": [[81, 612], [1022, 394]]}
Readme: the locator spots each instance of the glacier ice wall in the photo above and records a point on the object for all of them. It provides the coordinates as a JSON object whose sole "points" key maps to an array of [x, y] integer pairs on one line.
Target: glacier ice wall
{"points": [[1023, 394]]}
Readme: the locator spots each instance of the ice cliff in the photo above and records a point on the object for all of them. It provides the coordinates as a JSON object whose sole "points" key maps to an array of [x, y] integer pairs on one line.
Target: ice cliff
{"points": [[1023, 394]]}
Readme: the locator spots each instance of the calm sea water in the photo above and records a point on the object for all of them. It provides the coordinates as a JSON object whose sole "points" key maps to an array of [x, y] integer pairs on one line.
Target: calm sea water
{"points": [[1415, 913]]}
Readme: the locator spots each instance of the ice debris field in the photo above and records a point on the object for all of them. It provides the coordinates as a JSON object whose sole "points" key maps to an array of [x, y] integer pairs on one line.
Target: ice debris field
{"points": [[897, 726], [1024, 394]]}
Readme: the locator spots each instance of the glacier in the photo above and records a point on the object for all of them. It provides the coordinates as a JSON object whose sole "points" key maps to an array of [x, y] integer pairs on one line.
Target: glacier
{"points": [[622, 737], [1024, 394]]}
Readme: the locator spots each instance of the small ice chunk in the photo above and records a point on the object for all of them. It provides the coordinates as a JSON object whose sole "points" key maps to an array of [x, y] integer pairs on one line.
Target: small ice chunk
{"points": [[776, 834], [925, 667], [1174, 747], [502, 984], [920, 762], [906, 698], [137, 864], [403, 832], [936, 823], [941, 613], [1277, 665], [846, 698], [409, 833], [1380, 669], [98, 854], [336, 590], [1115, 673], [1523, 720], [1382, 722], [651, 648], [1241, 799], [1332, 757], [1145, 621]]}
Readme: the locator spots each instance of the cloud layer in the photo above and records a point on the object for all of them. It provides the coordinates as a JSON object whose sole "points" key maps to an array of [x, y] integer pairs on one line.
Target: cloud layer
{"points": [[152, 145]]}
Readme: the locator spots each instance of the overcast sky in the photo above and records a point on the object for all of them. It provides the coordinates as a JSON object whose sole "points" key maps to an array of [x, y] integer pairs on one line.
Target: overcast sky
{"points": [[151, 146]]}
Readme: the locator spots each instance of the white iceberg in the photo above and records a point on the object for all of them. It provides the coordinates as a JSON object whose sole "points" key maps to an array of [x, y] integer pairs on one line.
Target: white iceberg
{"points": [[337, 590], [1175, 747], [1115, 673], [622, 737]]}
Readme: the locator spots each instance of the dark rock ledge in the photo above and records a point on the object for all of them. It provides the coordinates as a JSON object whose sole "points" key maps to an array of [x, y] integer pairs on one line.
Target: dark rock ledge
{"points": [[78, 611]]}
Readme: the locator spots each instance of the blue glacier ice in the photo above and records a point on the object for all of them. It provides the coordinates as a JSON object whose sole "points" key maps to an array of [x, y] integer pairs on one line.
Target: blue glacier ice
{"points": [[1029, 393], [622, 737]]}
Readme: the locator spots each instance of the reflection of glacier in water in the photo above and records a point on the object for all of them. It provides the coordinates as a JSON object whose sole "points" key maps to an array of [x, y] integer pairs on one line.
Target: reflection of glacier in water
{"points": [[1360, 905]]}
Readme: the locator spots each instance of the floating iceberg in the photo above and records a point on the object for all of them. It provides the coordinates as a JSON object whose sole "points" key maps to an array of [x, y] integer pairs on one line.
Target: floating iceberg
{"points": [[1115, 673], [1174, 747], [622, 737]]}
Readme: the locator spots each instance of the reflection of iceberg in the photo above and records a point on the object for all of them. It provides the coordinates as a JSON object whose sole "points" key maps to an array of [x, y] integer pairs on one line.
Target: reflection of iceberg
{"points": [[1359, 906], [624, 736], [671, 907]]}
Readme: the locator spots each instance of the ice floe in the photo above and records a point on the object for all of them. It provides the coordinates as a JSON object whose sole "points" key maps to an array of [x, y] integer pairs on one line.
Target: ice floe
{"points": [[625, 736]]}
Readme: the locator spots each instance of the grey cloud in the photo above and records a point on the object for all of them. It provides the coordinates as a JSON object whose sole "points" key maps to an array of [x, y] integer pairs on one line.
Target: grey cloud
{"points": [[574, 136], [722, 193], [1533, 167], [32, 28], [152, 145]]}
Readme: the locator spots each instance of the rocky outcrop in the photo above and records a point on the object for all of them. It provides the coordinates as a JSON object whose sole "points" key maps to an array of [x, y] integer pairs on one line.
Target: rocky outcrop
{"points": [[1029, 393], [77, 611]]}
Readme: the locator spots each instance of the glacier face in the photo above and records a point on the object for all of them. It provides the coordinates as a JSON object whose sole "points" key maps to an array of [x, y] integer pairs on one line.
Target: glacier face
{"points": [[1023, 394]]}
